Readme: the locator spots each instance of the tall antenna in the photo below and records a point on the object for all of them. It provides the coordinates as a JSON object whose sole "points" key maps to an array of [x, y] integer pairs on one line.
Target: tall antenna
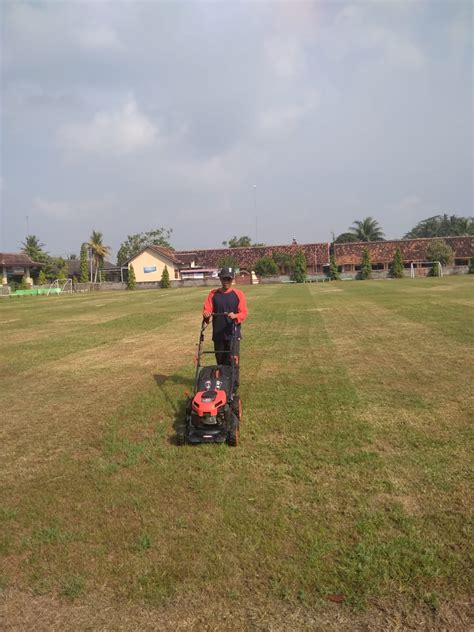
{"points": [[255, 210]]}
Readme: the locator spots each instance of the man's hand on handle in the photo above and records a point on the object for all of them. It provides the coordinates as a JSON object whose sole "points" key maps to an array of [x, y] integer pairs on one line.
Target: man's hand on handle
{"points": [[232, 316]]}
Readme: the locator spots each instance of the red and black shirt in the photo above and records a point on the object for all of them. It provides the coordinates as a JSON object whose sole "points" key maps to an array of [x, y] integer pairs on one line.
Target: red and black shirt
{"points": [[220, 301]]}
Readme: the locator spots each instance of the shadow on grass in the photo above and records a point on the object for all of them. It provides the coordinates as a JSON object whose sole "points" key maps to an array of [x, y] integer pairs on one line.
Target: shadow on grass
{"points": [[178, 406]]}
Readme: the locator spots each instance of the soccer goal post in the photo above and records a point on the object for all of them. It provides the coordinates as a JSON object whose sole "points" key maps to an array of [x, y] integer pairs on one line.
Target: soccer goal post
{"points": [[434, 265]]}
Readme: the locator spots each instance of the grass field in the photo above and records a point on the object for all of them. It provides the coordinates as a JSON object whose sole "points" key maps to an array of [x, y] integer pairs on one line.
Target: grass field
{"points": [[347, 503]]}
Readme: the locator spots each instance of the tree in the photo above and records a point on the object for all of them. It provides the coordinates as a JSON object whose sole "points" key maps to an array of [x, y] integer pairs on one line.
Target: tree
{"points": [[62, 269], [228, 261], [333, 269], [241, 242], [132, 281], [238, 242], [34, 249], [83, 267], [299, 271], [440, 251], [99, 251], [41, 278], [442, 226], [72, 256], [367, 229], [165, 279], [266, 266], [397, 265], [345, 238], [284, 261], [135, 243], [366, 268]]}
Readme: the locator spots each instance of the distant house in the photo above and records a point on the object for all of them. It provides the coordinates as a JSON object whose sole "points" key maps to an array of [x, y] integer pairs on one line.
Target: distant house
{"points": [[15, 266], [150, 262], [317, 256], [199, 273], [110, 271], [414, 251], [188, 259]]}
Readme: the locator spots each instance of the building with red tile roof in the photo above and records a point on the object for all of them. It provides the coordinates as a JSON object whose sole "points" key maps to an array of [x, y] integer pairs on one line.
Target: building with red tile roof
{"points": [[349, 255]]}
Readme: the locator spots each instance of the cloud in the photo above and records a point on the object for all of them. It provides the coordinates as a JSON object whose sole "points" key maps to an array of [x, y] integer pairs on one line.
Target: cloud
{"points": [[53, 210], [99, 39], [285, 56], [64, 210], [410, 208], [121, 132], [356, 28], [280, 119]]}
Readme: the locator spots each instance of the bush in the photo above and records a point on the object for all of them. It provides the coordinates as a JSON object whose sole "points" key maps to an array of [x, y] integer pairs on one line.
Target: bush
{"points": [[165, 279], [333, 270], [366, 268], [471, 265], [435, 270], [42, 278], [440, 251], [266, 266], [299, 271], [132, 281], [23, 285], [228, 261], [284, 261], [397, 265]]}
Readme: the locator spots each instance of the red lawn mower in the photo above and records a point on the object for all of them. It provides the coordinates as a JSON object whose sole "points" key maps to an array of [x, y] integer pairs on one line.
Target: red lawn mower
{"points": [[214, 411]]}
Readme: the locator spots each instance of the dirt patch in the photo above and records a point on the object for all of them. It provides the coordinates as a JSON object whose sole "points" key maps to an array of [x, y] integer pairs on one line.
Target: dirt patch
{"points": [[24, 611], [409, 504]]}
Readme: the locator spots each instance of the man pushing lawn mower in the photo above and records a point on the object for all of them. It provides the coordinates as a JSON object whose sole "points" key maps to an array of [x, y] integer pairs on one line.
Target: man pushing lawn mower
{"points": [[228, 309], [214, 411]]}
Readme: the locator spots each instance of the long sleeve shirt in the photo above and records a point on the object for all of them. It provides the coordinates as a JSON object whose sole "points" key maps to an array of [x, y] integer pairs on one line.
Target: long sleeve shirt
{"points": [[219, 302]]}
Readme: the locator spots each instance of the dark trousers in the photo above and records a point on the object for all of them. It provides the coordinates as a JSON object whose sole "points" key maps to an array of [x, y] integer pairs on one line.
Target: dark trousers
{"points": [[220, 349]]}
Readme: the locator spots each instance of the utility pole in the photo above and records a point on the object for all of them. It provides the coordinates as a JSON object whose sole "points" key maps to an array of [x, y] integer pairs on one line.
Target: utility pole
{"points": [[255, 211]]}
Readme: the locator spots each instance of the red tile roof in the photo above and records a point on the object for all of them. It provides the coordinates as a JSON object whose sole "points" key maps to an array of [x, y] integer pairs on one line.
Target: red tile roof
{"points": [[411, 249], [162, 251], [17, 259], [187, 258], [247, 257]]}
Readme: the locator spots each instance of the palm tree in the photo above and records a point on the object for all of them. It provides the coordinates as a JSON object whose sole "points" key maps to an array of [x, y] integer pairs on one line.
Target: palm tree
{"points": [[465, 226], [98, 250], [33, 248], [442, 226], [367, 229]]}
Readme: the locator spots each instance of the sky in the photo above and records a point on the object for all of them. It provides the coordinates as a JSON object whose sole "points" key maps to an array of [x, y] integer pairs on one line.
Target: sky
{"points": [[269, 119]]}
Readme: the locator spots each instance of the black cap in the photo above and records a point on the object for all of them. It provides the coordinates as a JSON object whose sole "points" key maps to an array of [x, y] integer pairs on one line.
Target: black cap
{"points": [[226, 273]]}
